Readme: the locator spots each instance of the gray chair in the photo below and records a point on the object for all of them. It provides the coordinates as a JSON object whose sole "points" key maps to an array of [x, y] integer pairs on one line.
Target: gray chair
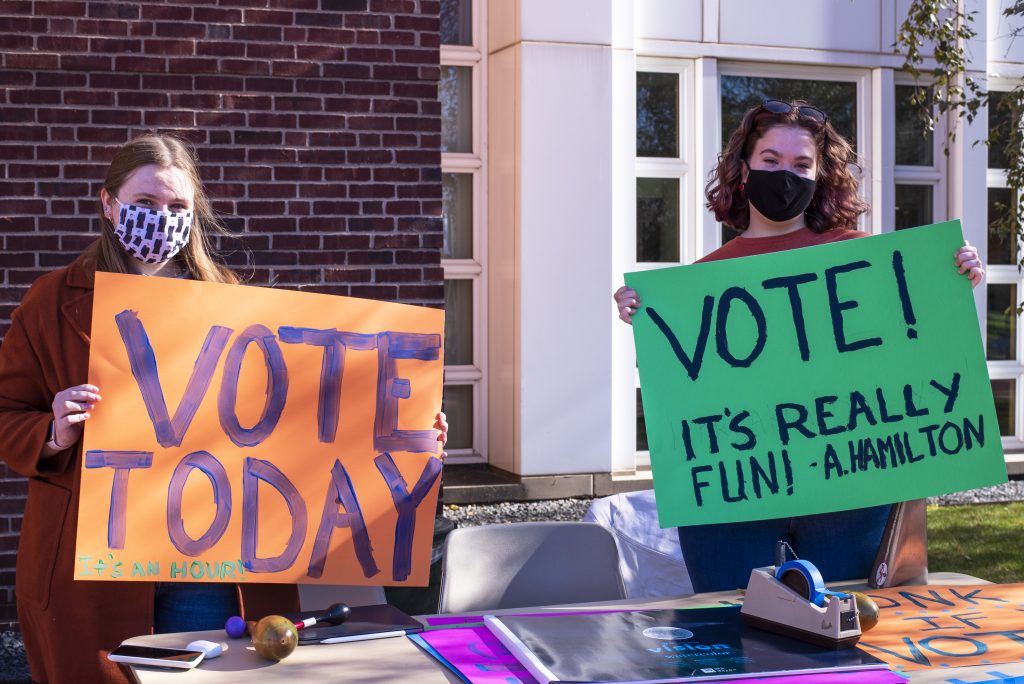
{"points": [[515, 565]]}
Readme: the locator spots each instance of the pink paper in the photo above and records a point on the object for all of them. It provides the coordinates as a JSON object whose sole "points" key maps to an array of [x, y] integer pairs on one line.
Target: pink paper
{"points": [[478, 655]]}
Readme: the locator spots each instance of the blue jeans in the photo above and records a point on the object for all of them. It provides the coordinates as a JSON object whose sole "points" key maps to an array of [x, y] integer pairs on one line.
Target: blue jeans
{"points": [[842, 545], [186, 607]]}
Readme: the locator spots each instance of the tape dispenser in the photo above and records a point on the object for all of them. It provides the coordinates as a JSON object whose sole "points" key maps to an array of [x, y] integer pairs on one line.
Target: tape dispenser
{"points": [[791, 599]]}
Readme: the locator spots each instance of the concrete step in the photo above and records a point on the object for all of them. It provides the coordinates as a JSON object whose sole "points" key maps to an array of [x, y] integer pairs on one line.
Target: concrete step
{"points": [[482, 483]]}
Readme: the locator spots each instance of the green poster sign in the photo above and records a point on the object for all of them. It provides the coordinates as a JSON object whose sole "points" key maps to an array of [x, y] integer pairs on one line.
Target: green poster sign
{"points": [[814, 380]]}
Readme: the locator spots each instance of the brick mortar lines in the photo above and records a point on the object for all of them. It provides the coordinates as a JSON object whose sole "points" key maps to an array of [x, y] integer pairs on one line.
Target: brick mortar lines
{"points": [[316, 107]]}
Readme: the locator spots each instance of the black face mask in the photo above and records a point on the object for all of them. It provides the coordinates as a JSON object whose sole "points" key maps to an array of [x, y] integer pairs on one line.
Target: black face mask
{"points": [[779, 195]]}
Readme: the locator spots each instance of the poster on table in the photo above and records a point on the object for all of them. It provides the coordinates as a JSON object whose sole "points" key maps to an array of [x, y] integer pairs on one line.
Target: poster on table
{"points": [[258, 435], [938, 627], [822, 379]]}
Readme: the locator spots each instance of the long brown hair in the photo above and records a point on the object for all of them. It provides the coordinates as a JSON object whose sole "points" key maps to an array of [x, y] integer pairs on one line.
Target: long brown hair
{"points": [[835, 203], [165, 151]]}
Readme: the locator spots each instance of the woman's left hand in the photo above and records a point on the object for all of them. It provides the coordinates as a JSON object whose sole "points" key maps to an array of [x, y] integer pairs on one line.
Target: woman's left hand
{"points": [[441, 424], [968, 261]]}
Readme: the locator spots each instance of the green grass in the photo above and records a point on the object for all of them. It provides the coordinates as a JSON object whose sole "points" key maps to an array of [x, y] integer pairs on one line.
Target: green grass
{"points": [[984, 540]]}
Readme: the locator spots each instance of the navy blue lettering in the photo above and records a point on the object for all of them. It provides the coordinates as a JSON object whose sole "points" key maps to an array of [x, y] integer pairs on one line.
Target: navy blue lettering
{"points": [[836, 308]]}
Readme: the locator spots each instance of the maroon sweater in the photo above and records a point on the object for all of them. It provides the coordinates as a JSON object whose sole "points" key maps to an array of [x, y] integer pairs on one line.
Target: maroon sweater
{"points": [[744, 246]]}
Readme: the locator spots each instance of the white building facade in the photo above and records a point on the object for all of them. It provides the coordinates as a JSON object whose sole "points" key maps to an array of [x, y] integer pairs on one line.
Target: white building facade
{"points": [[578, 137]]}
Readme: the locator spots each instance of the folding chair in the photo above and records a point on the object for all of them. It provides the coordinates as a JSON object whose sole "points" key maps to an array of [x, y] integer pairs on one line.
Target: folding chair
{"points": [[514, 565], [902, 557]]}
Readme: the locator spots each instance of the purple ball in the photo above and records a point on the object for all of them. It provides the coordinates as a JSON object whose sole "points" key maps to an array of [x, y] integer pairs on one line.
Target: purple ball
{"points": [[235, 627]]}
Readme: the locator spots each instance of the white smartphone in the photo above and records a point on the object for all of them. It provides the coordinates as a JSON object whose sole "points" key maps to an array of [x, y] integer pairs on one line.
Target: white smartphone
{"points": [[156, 657]]}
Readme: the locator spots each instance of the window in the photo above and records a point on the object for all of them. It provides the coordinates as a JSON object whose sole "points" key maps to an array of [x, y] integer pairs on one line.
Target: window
{"points": [[1004, 286], [663, 180], [838, 99], [835, 92], [920, 182], [463, 167], [669, 187]]}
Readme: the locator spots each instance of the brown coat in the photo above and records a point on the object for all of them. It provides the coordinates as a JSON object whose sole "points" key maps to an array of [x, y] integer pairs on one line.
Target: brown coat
{"points": [[68, 626]]}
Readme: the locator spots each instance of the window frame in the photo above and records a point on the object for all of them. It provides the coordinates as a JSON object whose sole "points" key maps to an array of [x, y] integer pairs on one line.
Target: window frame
{"points": [[672, 167], [687, 168], [1006, 274], [680, 168], [935, 175], [473, 163]]}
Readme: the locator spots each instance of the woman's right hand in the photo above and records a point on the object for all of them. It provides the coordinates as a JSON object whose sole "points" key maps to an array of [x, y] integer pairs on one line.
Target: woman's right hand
{"points": [[70, 409], [628, 302]]}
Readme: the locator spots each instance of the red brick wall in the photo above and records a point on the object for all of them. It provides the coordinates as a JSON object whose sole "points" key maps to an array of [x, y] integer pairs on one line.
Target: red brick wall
{"points": [[316, 121]]}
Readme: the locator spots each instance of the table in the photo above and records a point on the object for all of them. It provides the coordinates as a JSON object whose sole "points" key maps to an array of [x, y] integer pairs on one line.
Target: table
{"points": [[399, 660]]}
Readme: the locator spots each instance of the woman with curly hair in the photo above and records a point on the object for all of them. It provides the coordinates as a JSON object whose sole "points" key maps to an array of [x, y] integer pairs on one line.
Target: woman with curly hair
{"points": [[785, 180]]}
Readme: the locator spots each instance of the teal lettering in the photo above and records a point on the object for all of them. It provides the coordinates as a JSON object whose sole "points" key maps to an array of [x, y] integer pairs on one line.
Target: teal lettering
{"points": [[913, 654]]}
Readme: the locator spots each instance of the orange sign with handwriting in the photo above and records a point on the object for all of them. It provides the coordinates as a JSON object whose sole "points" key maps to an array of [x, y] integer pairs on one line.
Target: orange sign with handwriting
{"points": [[257, 435], [947, 626]]}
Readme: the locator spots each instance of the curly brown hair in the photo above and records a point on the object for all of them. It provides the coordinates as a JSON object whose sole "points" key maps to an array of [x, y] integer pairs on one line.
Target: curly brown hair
{"points": [[835, 203]]}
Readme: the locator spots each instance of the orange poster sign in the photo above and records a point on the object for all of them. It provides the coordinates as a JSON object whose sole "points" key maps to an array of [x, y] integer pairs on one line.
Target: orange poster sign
{"points": [[257, 435], [947, 626]]}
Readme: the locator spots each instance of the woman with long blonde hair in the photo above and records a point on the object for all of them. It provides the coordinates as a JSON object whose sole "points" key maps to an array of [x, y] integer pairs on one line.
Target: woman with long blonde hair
{"points": [[155, 220]]}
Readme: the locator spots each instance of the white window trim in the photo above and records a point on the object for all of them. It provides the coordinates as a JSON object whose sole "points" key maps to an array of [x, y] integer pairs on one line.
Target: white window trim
{"points": [[935, 175], [475, 164], [1007, 274], [681, 168]]}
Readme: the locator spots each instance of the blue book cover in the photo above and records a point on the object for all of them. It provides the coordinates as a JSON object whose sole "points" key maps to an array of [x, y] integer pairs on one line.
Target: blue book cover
{"points": [[699, 644]]}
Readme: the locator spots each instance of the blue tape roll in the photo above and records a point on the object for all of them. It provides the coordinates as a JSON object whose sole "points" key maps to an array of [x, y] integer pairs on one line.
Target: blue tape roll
{"points": [[817, 593]]}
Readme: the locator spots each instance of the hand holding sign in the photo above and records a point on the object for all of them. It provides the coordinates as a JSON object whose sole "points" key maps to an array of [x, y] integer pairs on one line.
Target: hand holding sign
{"points": [[441, 425], [628, 302], [968, 262], [70, 409]]}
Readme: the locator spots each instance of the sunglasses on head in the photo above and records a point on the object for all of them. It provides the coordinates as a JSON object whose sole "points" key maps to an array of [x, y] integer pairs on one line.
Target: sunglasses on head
{"points": [[780, 107]]}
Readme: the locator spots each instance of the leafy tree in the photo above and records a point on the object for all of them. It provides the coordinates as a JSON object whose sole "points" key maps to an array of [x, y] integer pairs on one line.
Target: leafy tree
{"points": [[948, 90]]}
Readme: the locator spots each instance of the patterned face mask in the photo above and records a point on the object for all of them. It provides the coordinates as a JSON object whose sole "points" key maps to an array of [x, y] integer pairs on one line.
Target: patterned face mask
{"points": [[150, 235]]}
